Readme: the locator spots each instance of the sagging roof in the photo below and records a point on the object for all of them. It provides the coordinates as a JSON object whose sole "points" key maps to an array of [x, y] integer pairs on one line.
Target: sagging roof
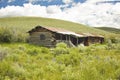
{"points": [[57, 30], [65, 32], [91, 35]]}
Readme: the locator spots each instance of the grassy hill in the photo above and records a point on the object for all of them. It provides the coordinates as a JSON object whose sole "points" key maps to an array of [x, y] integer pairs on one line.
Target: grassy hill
{"points": [[25, 24], [14, 29], [108, 29]]}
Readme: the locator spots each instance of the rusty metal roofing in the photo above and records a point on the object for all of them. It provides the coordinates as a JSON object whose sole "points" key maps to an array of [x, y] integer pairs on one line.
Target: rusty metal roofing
{"points": [[91, 35], [65, 32], [58, 30]]}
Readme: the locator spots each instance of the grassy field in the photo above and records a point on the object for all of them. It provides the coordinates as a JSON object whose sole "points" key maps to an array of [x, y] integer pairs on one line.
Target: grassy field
{"points": [[22, 61]]}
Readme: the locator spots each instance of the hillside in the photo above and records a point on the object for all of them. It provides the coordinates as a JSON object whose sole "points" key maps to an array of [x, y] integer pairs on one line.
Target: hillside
{"points": [[24, 24], [108, 29]]}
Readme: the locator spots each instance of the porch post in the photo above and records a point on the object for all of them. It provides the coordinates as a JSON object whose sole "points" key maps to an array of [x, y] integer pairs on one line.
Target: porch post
{"points": [[60, 37], [69, 37], [66, 37], [77, 40]]}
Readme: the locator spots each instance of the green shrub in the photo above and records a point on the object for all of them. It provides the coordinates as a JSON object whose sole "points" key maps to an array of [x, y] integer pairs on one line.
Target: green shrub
{"points": [[45, 50], [3, 52], [33, 51], [6, 70], [61, 48], [61, 45], [113, 39], [5, 34], [11, 35]]}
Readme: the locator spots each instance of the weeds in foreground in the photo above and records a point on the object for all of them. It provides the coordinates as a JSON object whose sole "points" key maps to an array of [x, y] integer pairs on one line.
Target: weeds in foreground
{"points": [[21, 61]]}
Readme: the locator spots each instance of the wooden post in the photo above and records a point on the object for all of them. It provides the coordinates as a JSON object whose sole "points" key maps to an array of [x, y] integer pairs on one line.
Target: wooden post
{"points": [[61, 37], [66, 37], [87, 41], [69, 37], [77, 41]]}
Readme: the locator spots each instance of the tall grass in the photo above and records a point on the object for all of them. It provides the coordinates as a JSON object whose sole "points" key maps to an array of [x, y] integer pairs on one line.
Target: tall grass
{"points": [[29, 62]]}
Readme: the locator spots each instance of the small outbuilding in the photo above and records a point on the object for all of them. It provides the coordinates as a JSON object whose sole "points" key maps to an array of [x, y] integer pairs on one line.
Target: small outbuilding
{"points": [[49, 37]]}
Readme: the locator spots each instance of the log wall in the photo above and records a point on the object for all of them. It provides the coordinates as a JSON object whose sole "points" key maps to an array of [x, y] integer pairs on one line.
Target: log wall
{"points": [[35, 38]]}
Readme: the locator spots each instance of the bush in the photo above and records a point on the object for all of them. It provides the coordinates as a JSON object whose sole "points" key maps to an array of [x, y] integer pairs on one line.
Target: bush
{"points": [[61, 48], [3, 53], [5, 34], [113, 39], [61, 45], [11, 35]]}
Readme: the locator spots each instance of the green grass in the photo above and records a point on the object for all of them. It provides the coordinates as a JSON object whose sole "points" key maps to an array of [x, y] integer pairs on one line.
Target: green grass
{"points": [[25, 24], [108, 29], [21, 61]]}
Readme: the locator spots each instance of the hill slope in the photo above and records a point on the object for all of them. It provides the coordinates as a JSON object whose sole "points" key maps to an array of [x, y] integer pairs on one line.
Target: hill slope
{"points": [[24, 24], [108, 29]]}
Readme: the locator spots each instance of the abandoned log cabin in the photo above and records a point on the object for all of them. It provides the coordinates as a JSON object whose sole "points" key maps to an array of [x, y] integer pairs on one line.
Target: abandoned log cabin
{"points": [[49, 37]]}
